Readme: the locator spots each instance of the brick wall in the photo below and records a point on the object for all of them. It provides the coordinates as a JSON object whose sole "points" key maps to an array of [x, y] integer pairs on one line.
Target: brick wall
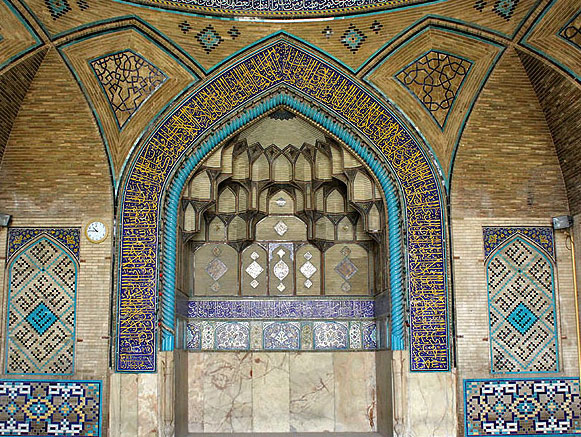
{"points": [[506, 173], [55, 174]]}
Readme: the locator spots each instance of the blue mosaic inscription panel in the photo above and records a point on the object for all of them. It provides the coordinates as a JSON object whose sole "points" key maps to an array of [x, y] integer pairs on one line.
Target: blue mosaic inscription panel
{"points": [[50, 408], [542, 236], [281, 309], [522, 407], [41, 310], [521, 296], [20, 237]]}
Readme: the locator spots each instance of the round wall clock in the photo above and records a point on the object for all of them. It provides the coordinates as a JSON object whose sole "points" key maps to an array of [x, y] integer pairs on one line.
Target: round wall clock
{"points": [[96, 231]]}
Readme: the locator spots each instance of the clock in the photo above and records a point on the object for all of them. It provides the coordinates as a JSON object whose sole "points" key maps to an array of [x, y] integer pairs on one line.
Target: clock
{"points": [[96, 231]]}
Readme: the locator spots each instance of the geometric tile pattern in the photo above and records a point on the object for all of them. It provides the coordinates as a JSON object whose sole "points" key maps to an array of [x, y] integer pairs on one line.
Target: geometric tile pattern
{"points": [[273, 335], [266, 70], [522, 407], [542, 236], [523, 326], [20, 237], [50, 408], [346, 269], [353, 38], [128, 80], [209, 39], [57, 8], [281, 308], [435, 79], [41, 311], [572, 31], [505, 8]]}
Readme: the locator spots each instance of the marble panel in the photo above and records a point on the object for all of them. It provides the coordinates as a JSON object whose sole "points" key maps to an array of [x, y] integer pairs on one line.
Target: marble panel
{"points": [[311, 392], [147, 400], [270, 392], [228, 392], [355, 398], [195, 399]]}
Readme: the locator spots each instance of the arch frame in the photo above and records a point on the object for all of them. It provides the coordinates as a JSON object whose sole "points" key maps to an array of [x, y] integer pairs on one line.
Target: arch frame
{"points": [[278, 64]]}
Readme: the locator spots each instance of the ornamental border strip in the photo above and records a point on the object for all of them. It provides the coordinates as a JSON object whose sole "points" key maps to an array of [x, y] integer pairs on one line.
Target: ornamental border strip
{"points": [[278, 13], [283, 308], [263, 71]]}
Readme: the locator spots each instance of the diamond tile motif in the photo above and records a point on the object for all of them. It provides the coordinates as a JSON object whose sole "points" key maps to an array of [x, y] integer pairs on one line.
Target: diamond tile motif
{"points": [[522, 407], [234, 32], [505, 8], [57, 8], [128, 80], [308, 269], [254, 269], [353, 38], [435, 80], [522, 318], [346, 269], [523, 330], [280, 228], [41, 318], [50, 408], [280, 202], [216, 269], [41, 310], [209, 39]]}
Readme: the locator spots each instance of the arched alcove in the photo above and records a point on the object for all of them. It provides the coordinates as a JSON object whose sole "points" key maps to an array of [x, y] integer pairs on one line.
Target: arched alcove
{"points": [[281, 273]]}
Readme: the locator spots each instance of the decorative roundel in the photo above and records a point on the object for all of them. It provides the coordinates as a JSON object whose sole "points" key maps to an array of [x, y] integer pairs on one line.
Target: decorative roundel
{"points": [[96, 231]]}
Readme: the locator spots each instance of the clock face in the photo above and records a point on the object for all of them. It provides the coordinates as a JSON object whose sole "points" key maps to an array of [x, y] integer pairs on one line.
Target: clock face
{"points": [[96, 231]]}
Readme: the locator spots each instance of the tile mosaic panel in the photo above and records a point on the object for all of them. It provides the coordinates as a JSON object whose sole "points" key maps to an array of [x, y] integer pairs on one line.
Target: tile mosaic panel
{"points": [[281, 308], [233, 88], [41, 310], [50, 408], [211, 335], [435, 80], [521, 295], [572, 30], [128, 80], [542, 236], [20, 237], [522, 407]]}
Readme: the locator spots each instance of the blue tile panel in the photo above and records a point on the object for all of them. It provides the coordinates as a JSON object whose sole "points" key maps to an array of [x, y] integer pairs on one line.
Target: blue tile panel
{"points": [[20, 237], [540, 235], [197, 116], [41, 310], [522, 407], [281, 309], [288, 335], [521, 296], [50, 408]]}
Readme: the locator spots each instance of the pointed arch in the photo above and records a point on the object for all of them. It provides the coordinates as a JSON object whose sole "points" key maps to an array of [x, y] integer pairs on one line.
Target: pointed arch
{"points": [[345, 109]]}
